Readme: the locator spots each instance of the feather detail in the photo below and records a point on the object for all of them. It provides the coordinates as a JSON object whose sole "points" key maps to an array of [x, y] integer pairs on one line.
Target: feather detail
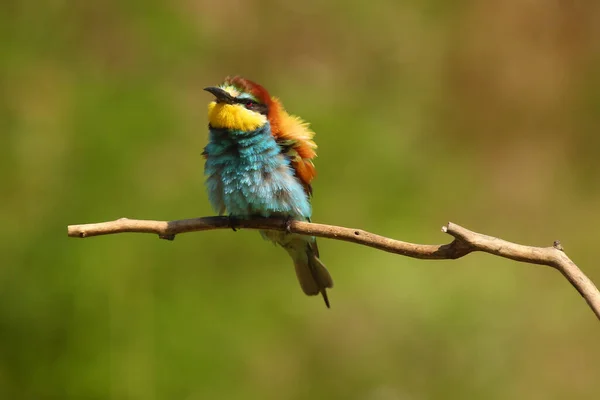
{"points": [[291, 132], [296, 140]]}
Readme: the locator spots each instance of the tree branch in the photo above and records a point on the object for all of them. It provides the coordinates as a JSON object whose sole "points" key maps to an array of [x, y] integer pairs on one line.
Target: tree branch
{"points": [[465, 242]]}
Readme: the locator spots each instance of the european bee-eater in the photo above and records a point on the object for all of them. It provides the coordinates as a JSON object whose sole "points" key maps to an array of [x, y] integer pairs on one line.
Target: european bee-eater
{"points": [[259, 163]]}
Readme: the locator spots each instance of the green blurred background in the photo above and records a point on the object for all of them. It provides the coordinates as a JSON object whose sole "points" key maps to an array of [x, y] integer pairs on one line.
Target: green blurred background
{"points": [[484, 113]]}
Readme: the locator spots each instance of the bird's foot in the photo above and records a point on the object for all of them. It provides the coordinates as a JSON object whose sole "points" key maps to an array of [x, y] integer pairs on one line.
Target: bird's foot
{"points": [[288, 224], [233, 222]]}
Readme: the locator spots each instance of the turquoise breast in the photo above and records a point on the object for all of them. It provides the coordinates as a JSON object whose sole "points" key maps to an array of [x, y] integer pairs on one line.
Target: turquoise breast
{"points": [[246, 174]]}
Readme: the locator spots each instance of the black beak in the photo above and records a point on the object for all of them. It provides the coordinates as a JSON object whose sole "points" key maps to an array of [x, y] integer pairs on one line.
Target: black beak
{"points": [[221, 95]]}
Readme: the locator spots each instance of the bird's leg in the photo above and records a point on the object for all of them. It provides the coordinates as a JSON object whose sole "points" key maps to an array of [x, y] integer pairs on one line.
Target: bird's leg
{"points": [[232, 222]]}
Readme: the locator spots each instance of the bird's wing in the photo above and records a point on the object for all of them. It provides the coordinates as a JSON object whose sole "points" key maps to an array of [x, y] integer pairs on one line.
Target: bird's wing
{"points": [[296, 141]]}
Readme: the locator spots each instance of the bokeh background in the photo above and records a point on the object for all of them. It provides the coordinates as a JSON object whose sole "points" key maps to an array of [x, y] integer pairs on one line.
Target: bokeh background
{"points": [[479, 112]]}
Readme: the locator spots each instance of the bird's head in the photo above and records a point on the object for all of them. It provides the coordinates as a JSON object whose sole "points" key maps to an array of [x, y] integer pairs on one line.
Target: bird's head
{"points": [[239, 105]]}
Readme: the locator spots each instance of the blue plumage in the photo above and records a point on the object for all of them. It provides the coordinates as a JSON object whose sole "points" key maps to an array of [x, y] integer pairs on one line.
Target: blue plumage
{"points": [[247, 175]]}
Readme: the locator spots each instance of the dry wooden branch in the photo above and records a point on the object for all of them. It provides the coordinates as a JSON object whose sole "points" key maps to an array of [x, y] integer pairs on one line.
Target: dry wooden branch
{"points": [[465, 242]]}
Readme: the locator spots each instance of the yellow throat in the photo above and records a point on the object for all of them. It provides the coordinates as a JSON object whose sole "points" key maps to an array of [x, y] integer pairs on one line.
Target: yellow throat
{"points": [[234, 116]]}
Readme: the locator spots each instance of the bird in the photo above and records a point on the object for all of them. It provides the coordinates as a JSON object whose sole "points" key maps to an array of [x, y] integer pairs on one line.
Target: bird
{"points": [[259, 162]]}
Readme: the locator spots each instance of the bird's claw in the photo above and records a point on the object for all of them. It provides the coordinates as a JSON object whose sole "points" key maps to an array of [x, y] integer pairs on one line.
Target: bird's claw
{"points": [[232, 222], [288, 224]]}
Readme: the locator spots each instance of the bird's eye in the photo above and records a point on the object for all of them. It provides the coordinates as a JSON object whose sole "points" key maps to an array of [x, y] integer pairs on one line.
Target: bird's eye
{"points": [[250, 104]]}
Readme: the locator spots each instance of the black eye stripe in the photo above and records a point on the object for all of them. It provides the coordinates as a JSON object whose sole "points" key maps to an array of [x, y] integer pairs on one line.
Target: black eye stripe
{"points": [[245, 101], [253, 105]]}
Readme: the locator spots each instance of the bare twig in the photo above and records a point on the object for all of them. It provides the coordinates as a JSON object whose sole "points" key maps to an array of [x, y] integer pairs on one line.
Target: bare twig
{"points": [[465, 242]]}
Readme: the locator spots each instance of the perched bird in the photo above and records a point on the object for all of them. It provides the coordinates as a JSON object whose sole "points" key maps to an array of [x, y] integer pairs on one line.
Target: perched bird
{"points": [[259, 163]]}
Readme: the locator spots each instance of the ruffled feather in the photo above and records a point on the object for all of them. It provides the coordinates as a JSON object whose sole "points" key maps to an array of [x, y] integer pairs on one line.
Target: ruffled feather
{"points": [[291, 133]]}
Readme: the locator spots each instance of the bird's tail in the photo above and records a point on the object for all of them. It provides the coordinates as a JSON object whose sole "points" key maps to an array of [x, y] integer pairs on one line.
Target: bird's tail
{"points": [[312, 274]]}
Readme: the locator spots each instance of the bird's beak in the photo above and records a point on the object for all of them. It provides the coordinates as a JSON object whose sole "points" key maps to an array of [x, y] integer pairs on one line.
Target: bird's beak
{"points": [[221, 95]]}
